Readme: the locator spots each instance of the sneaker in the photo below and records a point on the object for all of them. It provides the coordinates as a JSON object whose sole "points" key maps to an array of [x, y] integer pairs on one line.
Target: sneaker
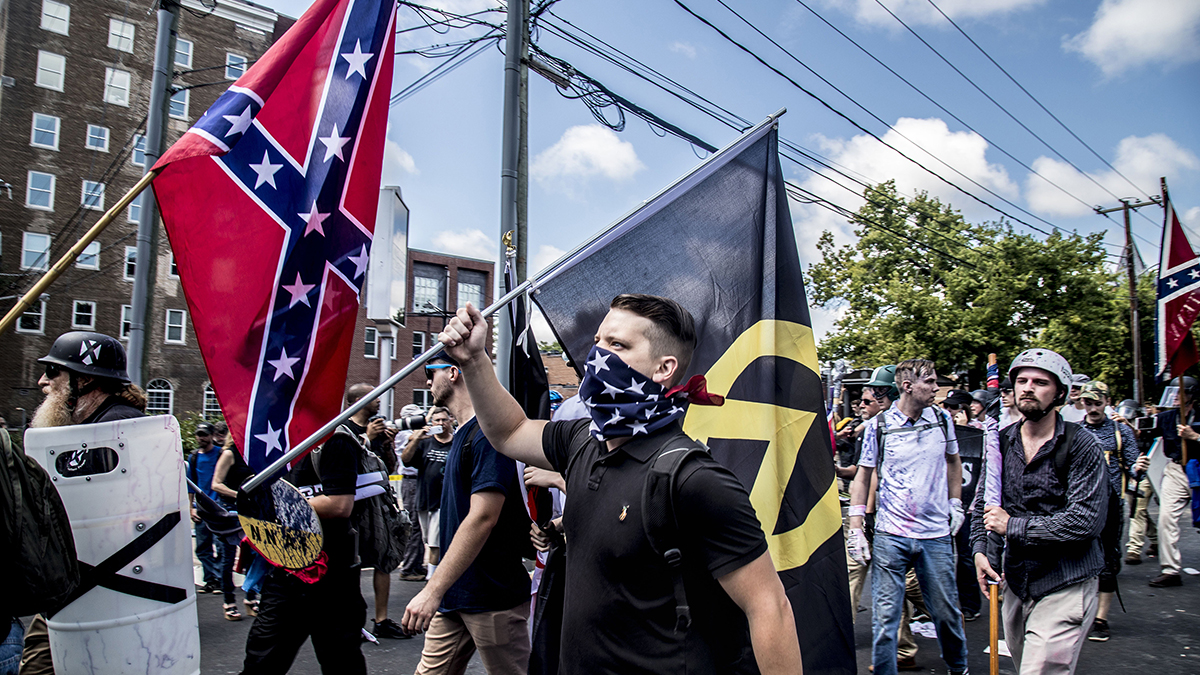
{"points": [[1132, 558], [389, 629], [412, 577], [210, 587], [1099, 631], [1166, 580], [970, 616]]}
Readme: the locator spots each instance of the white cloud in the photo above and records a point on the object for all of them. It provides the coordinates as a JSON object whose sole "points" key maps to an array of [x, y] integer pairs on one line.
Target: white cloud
{"points": [[920, 12], [683, 48], [396, 158], [1192, 218], [469, 243], [545, 255], [586, 151], [1143, 159], [1126, 34]]}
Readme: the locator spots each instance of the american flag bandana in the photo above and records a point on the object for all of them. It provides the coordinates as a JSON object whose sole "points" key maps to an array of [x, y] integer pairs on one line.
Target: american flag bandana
{"points": [[623, 402]]}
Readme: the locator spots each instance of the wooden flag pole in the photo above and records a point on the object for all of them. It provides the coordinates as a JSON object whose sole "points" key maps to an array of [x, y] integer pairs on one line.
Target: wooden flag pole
{"points": [[69, 257], [994, 628]]}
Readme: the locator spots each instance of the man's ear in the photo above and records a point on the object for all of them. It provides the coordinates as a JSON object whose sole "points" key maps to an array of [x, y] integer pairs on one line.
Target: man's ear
{"points": [[666, 370]]}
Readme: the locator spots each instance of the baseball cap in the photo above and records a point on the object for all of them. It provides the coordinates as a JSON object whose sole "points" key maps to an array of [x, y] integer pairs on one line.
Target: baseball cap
{"points": [[1094, 390], [1079, 379]]}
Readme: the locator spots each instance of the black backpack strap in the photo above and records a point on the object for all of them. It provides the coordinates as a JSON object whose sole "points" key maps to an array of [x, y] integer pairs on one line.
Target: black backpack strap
{"points": [[1061, 452], [658, 514]]}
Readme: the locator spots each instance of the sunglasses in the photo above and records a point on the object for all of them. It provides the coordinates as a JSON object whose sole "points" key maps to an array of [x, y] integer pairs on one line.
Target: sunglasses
{"points": [[869, 401], [429, 370], [954, 406], [52, 371], [201, 434]]}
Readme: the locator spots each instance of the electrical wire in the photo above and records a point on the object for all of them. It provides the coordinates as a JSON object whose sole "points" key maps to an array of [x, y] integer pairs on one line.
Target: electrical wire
{"points": [[445, 67]]}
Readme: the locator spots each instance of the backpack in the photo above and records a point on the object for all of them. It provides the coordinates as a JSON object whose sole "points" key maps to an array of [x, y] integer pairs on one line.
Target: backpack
{"points": [[40, 566], [882, 430]]}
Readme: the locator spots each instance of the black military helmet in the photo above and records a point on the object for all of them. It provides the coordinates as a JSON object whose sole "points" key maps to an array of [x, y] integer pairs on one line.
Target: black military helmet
{"points": [[1190, 385], [87, 353]]}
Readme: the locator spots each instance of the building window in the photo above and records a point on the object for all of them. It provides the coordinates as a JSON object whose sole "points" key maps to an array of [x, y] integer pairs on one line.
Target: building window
{"points": [[92, 197], [90, 258], [423, 398], [33, 320], [235, 65], [97, 138], [160, 396], [138, 157], [173, 270], [126, 321], [183, 53], [370, 343], [51, 70], [176, 320], [56, 17], [39, 193], [212, 408], [120, 35], [429, 286], [418, 343], [130, 262], [35, 251], [84, 315], [135, 210], [471, 288], [44, 133], [179, 104], [116, 86]]}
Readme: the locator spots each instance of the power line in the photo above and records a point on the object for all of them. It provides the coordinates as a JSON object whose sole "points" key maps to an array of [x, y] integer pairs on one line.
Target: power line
{"points": [[1039, 103]]}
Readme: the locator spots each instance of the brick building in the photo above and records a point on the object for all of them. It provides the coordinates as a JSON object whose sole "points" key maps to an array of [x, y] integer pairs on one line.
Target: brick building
{"points": [[76, 89], [438, 284]]}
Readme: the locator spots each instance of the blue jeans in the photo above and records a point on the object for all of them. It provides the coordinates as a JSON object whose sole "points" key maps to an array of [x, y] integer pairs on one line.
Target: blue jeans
{"points": [[208, 550], [934, 561], [10, 649]]}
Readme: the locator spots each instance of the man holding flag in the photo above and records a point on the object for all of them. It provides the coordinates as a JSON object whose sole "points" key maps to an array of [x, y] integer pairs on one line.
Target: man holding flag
{"points": [[623, 610]]}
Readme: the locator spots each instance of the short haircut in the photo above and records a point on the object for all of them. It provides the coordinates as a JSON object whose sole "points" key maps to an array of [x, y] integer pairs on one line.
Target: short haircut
{"points": [[674, 331], [439, 409], [443, 357], [356, 392], [913, 369]]}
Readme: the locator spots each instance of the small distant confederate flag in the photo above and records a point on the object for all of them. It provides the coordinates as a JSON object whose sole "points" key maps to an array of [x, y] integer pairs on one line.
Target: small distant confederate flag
{"points": [[269, 202], [1178, 296]]}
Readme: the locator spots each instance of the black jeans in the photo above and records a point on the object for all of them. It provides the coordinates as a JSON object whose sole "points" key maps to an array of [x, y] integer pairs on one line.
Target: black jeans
{"points": [[332, 612], [969, 598]]}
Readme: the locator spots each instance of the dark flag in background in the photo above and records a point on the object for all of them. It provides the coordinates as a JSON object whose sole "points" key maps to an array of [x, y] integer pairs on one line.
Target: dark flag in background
{"points": [[720, 242], [1178, 297], [528, 384]]}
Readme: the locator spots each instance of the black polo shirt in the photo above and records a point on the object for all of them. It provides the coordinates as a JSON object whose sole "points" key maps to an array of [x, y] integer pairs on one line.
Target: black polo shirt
{"points": [[619, 613]]}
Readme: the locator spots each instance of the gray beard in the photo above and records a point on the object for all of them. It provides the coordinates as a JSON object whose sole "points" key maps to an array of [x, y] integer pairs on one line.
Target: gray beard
{"points": [[53, 411]]}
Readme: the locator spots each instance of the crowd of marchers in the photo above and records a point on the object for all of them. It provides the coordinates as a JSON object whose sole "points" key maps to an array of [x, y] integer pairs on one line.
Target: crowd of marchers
{"points": [[1041, 519]]}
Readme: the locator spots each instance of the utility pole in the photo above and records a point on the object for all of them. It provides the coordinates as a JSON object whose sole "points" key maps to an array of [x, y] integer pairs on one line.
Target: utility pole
{"points": [[1128, 205], [522, 258], [147, 232], [511, 159]]}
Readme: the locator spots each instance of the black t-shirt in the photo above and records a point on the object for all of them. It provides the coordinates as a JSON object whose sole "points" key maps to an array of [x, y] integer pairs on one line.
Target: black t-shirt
{"points": [[382, 446], [619, 613], [339, 474], [112, 409], [429, 459]]}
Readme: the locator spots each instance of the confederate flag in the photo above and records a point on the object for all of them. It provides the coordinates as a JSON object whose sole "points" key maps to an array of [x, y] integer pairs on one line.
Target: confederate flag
{"points": [[1178, 296], [269, 202]]}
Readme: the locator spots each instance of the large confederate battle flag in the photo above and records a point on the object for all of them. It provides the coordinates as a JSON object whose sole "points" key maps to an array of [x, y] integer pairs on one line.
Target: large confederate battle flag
{"points": [[1178, 296], [269, 202]]}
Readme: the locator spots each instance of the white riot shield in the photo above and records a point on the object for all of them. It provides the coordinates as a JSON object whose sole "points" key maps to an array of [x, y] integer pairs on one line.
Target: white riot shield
{"points": [[122, 485]]}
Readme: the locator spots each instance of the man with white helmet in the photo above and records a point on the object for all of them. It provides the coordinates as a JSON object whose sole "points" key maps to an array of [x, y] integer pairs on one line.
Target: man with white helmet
{"points": [[1054, 496]]}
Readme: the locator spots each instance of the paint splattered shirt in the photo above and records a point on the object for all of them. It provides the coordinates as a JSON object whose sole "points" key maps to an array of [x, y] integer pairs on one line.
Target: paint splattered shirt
{"points": [[913, 498]]}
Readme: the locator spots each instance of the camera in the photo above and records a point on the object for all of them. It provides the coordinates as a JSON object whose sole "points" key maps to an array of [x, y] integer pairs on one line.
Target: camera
{"points": [[411, 423], [1145, 423]]}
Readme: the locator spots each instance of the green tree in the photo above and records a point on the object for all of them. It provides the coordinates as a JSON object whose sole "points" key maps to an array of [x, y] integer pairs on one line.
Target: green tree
{"points": [[922, 281]]}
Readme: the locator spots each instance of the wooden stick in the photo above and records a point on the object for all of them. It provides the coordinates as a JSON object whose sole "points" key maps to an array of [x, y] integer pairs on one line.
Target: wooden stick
{"points": [[994, 629], [69, 257]]}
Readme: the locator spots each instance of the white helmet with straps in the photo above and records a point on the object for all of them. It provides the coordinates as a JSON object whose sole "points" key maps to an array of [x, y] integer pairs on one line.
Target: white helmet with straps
{"points": [[1051, 362]]}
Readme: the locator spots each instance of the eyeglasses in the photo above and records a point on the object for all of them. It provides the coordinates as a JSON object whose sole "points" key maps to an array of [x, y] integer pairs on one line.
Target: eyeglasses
{"points": [[954, 406], [52, 371], [430, 369]]}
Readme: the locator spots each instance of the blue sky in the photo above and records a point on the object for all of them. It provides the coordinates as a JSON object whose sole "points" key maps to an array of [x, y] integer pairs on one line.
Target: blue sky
{"points": [[1123, 75]]}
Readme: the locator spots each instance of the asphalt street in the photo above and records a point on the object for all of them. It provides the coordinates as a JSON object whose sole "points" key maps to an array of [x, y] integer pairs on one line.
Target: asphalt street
{"points": [[1159, 635]]}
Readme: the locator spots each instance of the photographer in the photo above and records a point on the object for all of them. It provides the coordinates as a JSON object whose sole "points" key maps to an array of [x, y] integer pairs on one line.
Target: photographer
{"points": [[426, 452]]}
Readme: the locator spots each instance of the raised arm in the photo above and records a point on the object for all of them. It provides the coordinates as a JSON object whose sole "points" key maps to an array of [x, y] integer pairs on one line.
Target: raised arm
{"points": [[410, 448], [500, 416]]}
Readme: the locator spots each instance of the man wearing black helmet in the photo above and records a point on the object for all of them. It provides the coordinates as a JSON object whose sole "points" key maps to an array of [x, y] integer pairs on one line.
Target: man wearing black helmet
{"points": [[85, 383], [1174, 495], [1054, 498]]}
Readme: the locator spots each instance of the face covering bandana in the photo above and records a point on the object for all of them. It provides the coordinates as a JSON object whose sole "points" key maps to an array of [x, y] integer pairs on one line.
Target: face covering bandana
{"points": [[623, 402]]}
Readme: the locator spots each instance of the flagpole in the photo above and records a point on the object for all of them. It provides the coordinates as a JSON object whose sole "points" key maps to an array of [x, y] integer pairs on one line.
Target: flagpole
{"points": [[530, 283], [69, 257]]}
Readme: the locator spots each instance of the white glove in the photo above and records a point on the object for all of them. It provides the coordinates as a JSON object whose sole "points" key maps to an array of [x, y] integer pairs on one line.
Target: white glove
{"points": [[956, 515], [858, 547]]}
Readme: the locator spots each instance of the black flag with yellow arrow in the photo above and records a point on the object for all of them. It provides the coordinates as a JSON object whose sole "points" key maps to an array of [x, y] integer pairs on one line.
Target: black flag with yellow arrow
{"points": [[720, 242]]}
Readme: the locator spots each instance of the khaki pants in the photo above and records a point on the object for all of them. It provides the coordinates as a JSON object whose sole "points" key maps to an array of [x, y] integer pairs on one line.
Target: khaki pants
{"points": [[35, 660], [906, 645], [1045, 635], [1140, 524], [1175, 500], [502, 639]]}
